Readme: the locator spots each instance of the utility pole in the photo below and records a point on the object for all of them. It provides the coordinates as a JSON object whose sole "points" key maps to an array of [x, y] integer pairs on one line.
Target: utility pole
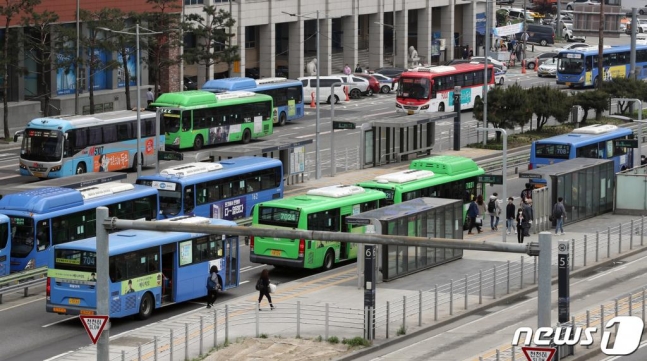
{"points": [[600, 77], [632, 53]]}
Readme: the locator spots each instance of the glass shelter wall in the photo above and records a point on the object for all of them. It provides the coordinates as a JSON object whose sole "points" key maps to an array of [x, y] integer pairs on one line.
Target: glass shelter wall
{"points": [[422, 217], [587, 192]]}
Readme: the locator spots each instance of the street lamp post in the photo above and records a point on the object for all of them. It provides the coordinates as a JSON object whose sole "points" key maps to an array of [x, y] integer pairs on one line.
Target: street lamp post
{"points": [[182, 50], [317, 114], [138, 156], [76, 63], [392, 27], [504, 186]]}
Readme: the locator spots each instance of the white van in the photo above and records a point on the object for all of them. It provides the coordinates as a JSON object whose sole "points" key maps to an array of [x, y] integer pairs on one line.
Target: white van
{"points": [[310, 87]]}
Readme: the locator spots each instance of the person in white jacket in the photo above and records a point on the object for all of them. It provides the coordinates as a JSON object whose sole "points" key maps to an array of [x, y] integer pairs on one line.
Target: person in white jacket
{"points": [[494, 209]]}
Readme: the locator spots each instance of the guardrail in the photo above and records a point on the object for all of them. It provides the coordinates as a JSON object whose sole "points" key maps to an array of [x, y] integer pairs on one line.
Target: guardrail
{"points": [[22, 280]]}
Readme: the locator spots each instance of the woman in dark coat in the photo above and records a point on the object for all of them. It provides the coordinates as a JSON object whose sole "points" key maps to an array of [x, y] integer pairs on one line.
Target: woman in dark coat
{"points": [[265, 289]]}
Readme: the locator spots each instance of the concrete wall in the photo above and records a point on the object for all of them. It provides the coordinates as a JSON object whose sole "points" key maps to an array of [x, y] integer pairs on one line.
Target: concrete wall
{"points": [[631, 192]]}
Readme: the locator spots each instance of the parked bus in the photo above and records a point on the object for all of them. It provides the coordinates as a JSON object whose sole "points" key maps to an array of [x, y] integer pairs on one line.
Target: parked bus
{"points": [[593, 141], [430, 90], [228, 189], [286, 94], [148, 270], [196, 118], [321, 209], [56, 147], [445, 176], [579, 67], [5, 245], [45, 217]]}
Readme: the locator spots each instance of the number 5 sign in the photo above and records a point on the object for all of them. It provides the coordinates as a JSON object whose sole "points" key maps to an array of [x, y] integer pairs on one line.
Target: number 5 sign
{"points": [[94, 326]]}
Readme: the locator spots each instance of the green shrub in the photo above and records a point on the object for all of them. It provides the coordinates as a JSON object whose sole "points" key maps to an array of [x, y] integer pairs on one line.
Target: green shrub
{"points": [[356, 341], [333, 339]]}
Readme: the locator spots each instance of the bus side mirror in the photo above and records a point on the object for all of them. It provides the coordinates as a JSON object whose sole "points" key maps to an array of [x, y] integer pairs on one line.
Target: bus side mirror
{"points": [[17, 134]]}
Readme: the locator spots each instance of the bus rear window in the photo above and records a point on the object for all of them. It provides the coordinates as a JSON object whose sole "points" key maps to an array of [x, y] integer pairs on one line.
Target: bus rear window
{"points": [[275, 216], [75, 260], [557, 151]]}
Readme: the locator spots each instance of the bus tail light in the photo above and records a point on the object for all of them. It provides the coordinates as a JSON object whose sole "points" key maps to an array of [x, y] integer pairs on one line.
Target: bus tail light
{"points": [[251, 243], [529, 166], [302, 247], [48, 288]]}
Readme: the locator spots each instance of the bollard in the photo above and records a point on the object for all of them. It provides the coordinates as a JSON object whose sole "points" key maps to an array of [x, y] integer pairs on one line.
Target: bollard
{"points": [[602, 315], [508, 281], [597, 245], [498, 355], [123, 355], [642, 229], [299, 320], [226, 323], [587, 321], [608, 242], [328, 320], [521, 278], [170, 348], [404, 312], [435, 302], [572, 254], [465, 293], [201, 332], [367, 324], [514, 353], [258, 321], [387, 319], [494, 282], [584, 252], [451, 297], [419, 308], [630, 304], [619, 238], [155, 346], [313, 104], [534, 276], [616, 306], [523, 66], [631, 236], [215, 328], [480, 287], [186, 341], [139, 352]]}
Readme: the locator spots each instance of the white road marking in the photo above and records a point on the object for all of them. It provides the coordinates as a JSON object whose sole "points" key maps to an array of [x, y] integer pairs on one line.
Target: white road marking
{"points": [[253, 268], [22, 304], [61, 321]]}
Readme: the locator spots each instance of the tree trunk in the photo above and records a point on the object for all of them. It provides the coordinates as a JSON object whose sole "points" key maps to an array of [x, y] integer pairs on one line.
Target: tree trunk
{"points": [[124, 60], [5, 84], [90, 75]]}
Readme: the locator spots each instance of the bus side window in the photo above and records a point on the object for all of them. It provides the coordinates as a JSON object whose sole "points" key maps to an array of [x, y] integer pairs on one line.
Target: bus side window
{"points": [[42, 236], [186, 120], [189, 203]]}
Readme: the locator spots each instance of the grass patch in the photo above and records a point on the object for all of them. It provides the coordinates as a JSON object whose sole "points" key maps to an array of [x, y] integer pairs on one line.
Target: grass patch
{"points": [[318, 339], [262, 335], [401, 331], [356, 341], [333, 340]]}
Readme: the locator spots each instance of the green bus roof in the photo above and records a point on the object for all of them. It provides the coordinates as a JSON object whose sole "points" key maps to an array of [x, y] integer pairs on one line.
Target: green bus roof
{"points": [[315, 201], [446, 164], [201, 99]]}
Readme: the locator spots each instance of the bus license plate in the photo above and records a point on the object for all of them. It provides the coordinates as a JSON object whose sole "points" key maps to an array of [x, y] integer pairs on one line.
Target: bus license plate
{"points": [[409, 112], [75, 301], [276, 253], [568, 84], [38, 174]]}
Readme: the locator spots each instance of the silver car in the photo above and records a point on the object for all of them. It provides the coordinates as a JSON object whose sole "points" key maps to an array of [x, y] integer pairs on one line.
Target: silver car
{"points": [[548, 68]]}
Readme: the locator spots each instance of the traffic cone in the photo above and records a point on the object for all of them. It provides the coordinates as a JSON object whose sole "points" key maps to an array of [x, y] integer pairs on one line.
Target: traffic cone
{"points": [[523, 66], [536, 64], [346, 92], [312, 103]]}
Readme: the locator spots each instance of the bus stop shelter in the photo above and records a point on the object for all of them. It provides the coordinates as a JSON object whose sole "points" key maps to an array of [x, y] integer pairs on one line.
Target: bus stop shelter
{"points": [[420, 217], [291, 154], [393, 138], [586, 184]]}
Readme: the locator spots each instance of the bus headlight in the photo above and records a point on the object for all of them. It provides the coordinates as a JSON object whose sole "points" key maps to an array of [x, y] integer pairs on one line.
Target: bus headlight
{"points": [[176, 141], [424, 107], [30, 264], [581, 79], [55, 169], [22, 166]]}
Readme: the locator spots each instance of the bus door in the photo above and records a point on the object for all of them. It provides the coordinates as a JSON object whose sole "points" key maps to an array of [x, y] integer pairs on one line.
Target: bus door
{"points": [[232, 268], [169, 272], [5, 245], [344, 251]]}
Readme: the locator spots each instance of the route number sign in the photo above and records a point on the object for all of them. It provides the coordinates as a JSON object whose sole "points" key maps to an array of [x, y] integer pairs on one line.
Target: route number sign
{"points": [[94, 325]]}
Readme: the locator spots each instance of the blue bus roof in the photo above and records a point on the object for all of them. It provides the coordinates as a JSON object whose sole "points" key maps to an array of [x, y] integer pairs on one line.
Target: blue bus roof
{"points": [[241, 83], [133, 239], [54, 201], [594, 49], [230, 167], [4, 219], [75, 121], [584, 139]]}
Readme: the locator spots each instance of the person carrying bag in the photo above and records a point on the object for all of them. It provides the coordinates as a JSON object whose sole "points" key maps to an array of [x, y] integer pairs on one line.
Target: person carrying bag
{"points": [[264, 287], [213, 286]]}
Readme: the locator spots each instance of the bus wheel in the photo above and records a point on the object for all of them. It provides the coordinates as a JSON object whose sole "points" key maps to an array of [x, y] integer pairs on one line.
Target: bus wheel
{"points": [[247, 136], [136, 161], [596, 82], [146, 307], [198, 143], [80, 168], [282, 119], [329, 260], [441, 107]]}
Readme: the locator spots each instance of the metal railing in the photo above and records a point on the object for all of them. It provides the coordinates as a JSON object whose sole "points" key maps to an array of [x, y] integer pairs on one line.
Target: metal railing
{"points": [[200, 331], [22, 280]]}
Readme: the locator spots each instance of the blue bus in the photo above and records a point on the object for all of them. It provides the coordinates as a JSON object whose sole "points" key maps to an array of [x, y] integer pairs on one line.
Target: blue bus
{"points": [[42, 218], [593, 141], [5, 245], [228, 189], [148, 270], [579, 67], [286, 93], [56, 147]]}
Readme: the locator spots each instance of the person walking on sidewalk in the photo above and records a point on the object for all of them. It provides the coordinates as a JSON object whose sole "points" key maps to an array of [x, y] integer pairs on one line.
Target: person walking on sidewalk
{"points": [[509, 216], [213, 285], [559, 215], [473, 214], [494, 209], [520, 220], [263, 286]]}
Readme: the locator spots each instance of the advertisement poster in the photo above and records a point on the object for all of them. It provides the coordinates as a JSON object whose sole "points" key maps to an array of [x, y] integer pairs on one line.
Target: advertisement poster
{"points": [[218, 135], [230, 209], [72, 276], [100, 77], [186, 252], [258, 124], [480, 23], [111, 161], [141, 283], [65, 77], [292, 108], [132, 68], [149, 146], [298, 160]]}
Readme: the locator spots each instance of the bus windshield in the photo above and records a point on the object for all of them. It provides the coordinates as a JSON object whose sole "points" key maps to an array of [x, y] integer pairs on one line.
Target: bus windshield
{"points": [[75, 260], [275, 216], [4, 236], [171, 121], [414, 88], [570, 65], [22, 232], [170, 198], [42, 145]]}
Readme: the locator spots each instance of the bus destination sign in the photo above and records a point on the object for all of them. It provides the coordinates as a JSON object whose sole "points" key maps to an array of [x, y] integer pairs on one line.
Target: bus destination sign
{"points": [[626, 143], [491, 178]]}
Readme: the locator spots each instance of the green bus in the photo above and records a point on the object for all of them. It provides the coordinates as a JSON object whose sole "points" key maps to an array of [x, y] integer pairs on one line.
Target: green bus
{"points": [[321, 209], [193, 119], [444, 176]]}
